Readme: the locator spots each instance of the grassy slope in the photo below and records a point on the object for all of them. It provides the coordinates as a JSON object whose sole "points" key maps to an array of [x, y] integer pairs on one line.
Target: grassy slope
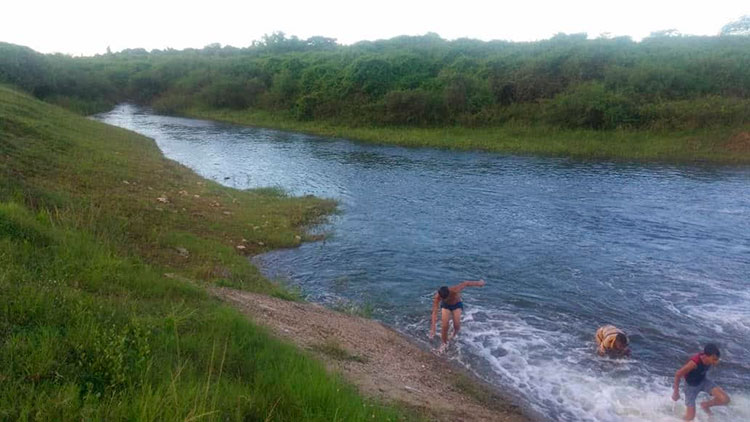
{"points": [[712, 145], [98, 318]]}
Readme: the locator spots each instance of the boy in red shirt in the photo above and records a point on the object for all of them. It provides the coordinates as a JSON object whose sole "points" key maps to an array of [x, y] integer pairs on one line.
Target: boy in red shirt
{"points": [[694, 372]]}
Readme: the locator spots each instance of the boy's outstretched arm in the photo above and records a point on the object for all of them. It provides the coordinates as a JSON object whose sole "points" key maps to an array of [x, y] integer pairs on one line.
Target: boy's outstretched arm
{"points": [[468, 283], [433, 320], [678, 376]]}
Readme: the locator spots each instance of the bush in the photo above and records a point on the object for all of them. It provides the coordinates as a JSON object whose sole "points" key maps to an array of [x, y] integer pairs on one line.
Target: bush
{"points": [[590, 105], [697, 113], [413, 107]]}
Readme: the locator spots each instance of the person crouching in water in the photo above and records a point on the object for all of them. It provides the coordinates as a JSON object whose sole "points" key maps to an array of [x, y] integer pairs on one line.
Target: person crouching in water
{"points": [[694, 372], [612, 342], [449, 299]]}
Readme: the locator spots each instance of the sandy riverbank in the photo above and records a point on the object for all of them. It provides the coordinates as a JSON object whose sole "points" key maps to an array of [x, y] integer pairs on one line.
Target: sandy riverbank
{"points": [[382, 363]]}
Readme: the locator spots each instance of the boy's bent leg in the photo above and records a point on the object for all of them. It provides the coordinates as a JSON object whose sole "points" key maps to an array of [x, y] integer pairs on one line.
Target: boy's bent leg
{"points": [[718, 398], [456, 321], [445, 318]]}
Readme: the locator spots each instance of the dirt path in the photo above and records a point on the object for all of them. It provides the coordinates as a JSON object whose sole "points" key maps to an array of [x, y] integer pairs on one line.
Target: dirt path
{"points": [[382, 363]]}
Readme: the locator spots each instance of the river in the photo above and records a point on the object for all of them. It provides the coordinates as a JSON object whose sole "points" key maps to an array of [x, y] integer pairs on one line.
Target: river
{"points": [[661, 251]]}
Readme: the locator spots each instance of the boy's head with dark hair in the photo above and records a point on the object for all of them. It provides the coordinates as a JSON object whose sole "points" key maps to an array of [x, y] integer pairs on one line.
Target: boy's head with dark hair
{"points": [[712, 350], [712, 354], [444, 292]]}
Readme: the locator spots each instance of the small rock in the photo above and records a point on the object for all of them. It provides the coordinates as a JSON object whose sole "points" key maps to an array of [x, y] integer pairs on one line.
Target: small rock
{"points": [[241, 247], [255, 227], [196, 196], [227, 213], [126, 182], [227, 177], [163, 199], [244, 240], [183, 192], [298, 237], [182, 251], [261, 244], [150, 188]]}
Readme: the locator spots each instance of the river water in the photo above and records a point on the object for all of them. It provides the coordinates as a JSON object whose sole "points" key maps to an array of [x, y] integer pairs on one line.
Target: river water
{"points": [[661, 251]]}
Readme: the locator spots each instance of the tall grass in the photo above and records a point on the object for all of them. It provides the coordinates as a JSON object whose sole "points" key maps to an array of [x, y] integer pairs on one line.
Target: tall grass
{"points": [[668, 145], [103, 316]]}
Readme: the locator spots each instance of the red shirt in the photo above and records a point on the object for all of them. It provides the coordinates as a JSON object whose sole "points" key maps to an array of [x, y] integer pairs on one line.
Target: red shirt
{"points": [[697, 375]]}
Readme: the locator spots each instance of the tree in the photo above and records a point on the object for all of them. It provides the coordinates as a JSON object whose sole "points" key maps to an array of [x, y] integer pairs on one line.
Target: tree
{"points": [[739, 27], [668, 33]]}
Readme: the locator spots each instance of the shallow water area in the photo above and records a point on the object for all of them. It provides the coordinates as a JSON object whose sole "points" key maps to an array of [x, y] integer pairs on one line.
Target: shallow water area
{"points": [[662, 251]]}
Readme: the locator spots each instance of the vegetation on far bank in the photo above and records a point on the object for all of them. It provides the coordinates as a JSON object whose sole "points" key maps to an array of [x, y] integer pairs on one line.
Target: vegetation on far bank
{"points": [[669, 96], [104, 247], [666, 81], [715, 145]]}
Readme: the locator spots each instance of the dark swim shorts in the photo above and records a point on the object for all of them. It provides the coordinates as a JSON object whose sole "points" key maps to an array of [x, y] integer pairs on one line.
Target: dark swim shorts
{"points": [[691, 391], [452, 307]]}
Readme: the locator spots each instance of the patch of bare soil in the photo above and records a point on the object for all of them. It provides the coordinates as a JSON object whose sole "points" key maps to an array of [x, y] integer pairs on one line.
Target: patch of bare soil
{"points": [[739, 142], [382, 363]]}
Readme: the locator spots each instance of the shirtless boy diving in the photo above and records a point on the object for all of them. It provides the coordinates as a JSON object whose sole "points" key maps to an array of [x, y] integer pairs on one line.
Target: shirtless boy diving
{"points": [[449, 299]]}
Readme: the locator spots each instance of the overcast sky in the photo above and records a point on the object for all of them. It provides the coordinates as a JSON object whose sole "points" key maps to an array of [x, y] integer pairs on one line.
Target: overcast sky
{"points": [[89, 26]]}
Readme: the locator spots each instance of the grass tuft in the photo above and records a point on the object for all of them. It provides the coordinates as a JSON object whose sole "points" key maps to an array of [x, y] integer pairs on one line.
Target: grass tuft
{"points": [[333, 349]]}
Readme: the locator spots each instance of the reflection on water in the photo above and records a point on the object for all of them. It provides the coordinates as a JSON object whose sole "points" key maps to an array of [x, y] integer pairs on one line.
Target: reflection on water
{"points": [[662, 251]]}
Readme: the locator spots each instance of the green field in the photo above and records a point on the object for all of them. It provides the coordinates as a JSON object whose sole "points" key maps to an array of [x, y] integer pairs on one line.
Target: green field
{"points": [[105, 250]]}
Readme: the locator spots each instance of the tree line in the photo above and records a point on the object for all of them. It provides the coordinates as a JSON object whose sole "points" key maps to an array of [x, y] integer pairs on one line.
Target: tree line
{"points": [[570, 81]]}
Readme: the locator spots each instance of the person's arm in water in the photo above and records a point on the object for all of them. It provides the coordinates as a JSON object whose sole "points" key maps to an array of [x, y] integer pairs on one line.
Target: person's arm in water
{"points": [[613, 353], [678, 376], [601, 351], [464, 284], [433, 320]]}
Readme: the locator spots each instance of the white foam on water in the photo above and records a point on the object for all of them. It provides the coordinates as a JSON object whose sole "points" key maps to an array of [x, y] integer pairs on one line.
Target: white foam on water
{"points": [[723, 318], [564, 380]]}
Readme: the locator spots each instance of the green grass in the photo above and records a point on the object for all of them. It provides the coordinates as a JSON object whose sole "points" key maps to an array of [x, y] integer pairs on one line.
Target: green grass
{"points": [[717, 145], [103, 314], [334, 350], [362, 310]]}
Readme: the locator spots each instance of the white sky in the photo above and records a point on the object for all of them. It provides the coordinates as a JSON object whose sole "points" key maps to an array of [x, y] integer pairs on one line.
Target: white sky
{"points": [[88, 26]]}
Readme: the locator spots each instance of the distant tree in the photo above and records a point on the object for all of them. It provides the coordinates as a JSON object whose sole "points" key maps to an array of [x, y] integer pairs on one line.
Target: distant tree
{"points": [[321, 43], [665, 33], [739, 27], [277, 42]]}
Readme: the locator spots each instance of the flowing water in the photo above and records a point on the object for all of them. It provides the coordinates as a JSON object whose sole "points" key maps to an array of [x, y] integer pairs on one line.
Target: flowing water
{"points": [[661, 251]]}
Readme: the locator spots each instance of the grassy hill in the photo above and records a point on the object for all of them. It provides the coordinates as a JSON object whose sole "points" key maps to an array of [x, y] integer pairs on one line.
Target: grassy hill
{"points": [[104, 248]]}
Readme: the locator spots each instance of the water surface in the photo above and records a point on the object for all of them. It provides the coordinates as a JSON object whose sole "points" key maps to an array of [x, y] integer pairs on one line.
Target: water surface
{"points": [[662, 251]]}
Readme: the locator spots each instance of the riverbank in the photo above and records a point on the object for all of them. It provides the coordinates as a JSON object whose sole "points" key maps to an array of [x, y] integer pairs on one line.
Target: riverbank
{"points": [[98, 233], [382, 363], [719, 145]]}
